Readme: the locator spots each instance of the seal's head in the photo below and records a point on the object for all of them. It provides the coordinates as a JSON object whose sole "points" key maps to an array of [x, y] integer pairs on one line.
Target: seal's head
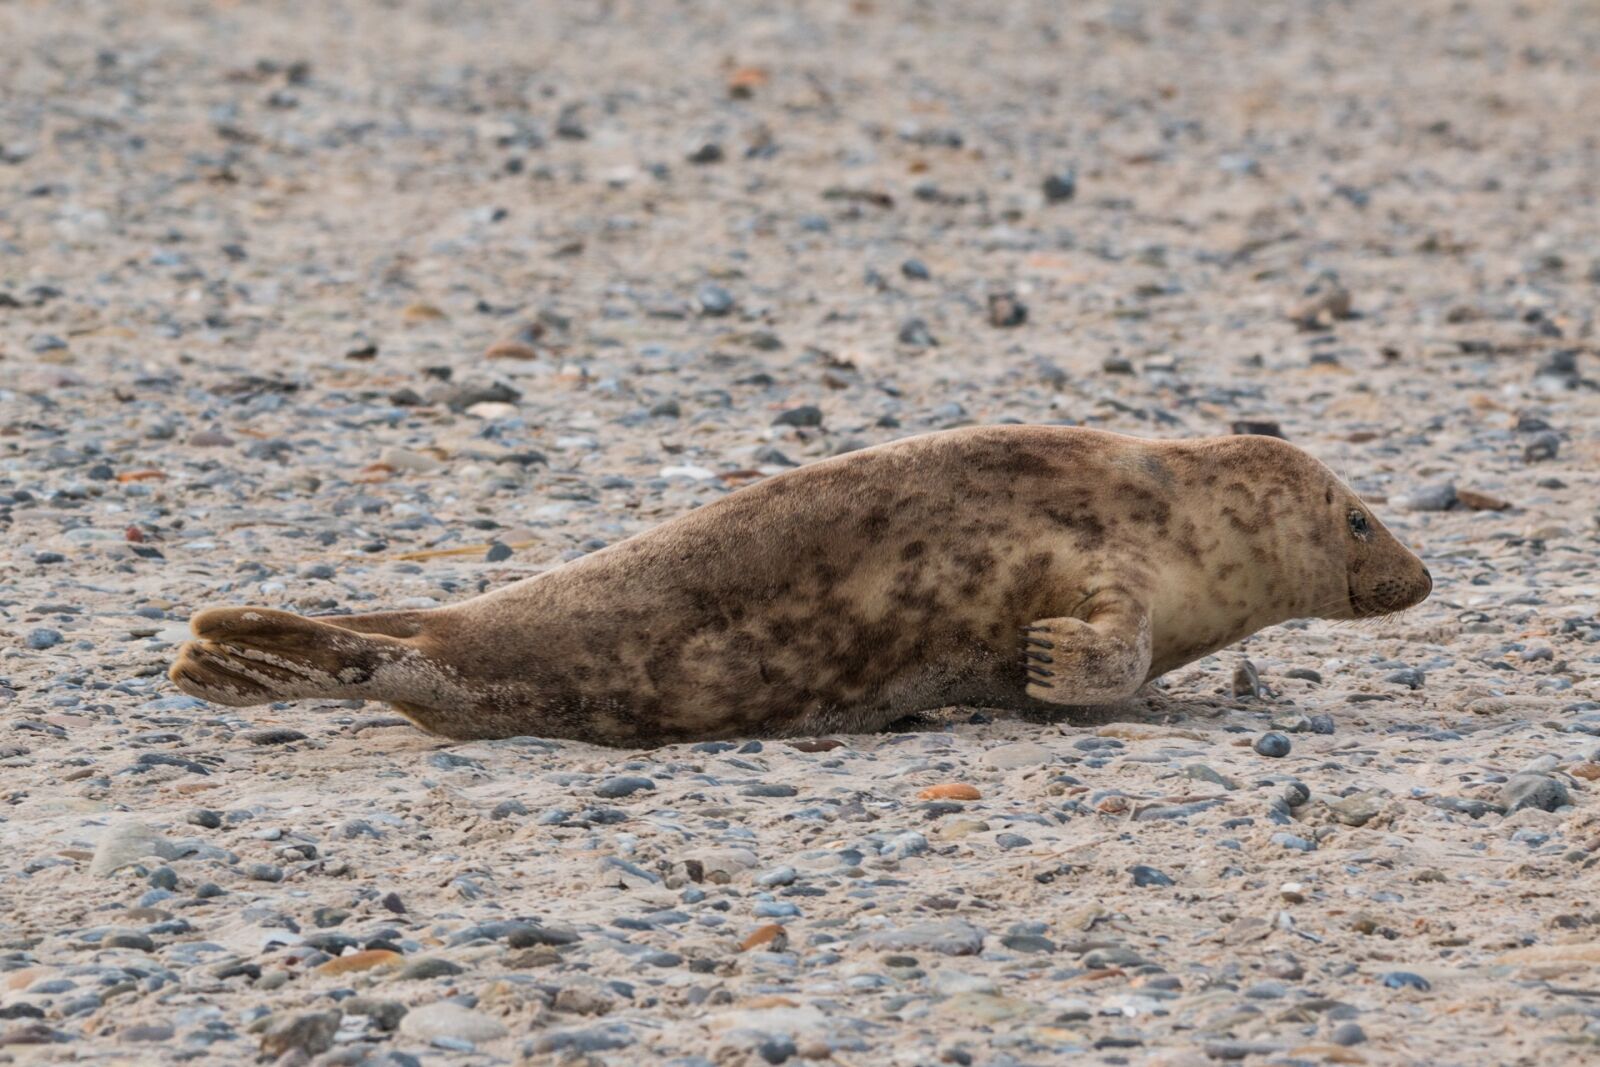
{"points": [[1383, 575]]}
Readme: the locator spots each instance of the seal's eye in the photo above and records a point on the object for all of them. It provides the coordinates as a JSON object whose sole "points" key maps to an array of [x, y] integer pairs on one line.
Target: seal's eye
{"points": [[1358, 525]]}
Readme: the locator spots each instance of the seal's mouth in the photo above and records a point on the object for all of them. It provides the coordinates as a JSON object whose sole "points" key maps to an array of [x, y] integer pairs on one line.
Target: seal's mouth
{"points": [[1389, 597]]}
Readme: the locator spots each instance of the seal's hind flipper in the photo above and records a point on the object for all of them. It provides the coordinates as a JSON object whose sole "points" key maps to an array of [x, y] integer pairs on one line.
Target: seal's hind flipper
{"points": [[1101, 658], [247, 656]]}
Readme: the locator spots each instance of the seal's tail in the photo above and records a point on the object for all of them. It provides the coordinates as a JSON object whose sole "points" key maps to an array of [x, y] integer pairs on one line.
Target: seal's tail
{"points": [[246, 656]]}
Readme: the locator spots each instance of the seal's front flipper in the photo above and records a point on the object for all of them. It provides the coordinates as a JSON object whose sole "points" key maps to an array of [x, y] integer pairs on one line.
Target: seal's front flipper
{"points": [[1099, 659], [247, 656]]}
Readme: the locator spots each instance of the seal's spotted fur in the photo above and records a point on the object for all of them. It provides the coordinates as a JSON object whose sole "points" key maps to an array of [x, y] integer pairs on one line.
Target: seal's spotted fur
{"points": [[1018, 566]]}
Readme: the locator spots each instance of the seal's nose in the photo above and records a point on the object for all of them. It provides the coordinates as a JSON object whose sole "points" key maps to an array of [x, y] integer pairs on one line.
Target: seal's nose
{"points": [[1427, 584]]}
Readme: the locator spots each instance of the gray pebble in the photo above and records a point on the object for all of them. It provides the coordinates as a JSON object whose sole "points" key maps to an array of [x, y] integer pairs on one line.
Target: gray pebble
{"points": [[1539, 791], [624, 786], [1272, 745], [43, 637]]}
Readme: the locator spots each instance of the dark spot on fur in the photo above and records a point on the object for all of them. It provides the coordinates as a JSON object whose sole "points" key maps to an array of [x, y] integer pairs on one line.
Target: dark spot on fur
{"points": [[913, 549], [1090, 530], [1003, 456], [875, 523], [1156, 469]]}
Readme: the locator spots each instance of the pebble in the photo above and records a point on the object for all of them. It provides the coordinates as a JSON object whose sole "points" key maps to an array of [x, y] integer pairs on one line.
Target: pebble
{"points": [[428, 967], [126, 843], [1539, 791], [308, 1033], [714, 301], [42, 638], [950, 937], [806, 415], [624, 786], [1408, 677], [1060, 186], [1438, 497], [1356, 810], [1149, 876], [444, 1019], [1246, 681], [1348, 1034], [915, 332], [1017, 754], [1273, 745]]}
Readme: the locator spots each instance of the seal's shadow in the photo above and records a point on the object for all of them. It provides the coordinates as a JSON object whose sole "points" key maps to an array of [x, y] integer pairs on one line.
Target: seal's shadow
{"points": [[1153, 709]]}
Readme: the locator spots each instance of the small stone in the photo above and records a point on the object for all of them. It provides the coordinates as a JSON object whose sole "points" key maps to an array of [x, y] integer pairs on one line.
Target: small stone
{"points": [[953, 937], [778, 876], [1285, 966], [137, 942], [127, 843], [385, 1014], [264, 872], [1061, 186], [530, 935], [445, 1019], [1409, 677], [42, 638], [1347, 1034], [146, 1032], [1539, 791], [808, 415], [1148, 876], [523, 344], [1476, 501], [498, 553], [1273, 745], [1322, 724], [1199, 772], [1017, 754], [1325, 302], [915, 332], [1357, 810], [1006, 311], [903, 845], [428, 967], [308, 1033], [624, 786], [1406, 980], [367, 960], [507, 808], [769, 938], [273, 736], [709, 152], [916, 270], [950, 791], [1246, 681], [415, 313], [769, 789], [1293, 842], [1440, 497], [713, 300], [1541, 447]]}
